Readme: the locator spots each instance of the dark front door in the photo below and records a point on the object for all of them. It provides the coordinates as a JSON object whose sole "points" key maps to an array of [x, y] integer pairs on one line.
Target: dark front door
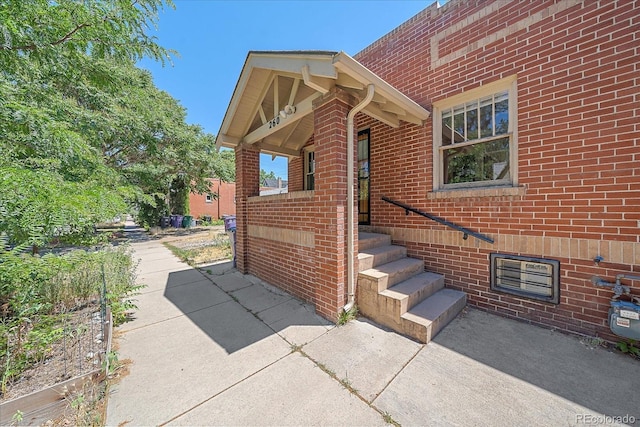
{"points": [[364, 205]]}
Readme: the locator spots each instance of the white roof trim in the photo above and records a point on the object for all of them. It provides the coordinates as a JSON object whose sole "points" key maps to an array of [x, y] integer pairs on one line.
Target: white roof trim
{"points": [[318, 71]]}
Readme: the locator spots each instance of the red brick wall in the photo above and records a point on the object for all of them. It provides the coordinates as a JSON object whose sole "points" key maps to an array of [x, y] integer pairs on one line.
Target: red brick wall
{"points": [[296, 170], [280, 259], [295, 174], [247, 185], [297, 240], [330, 203], [578, 73], [224, 204]]}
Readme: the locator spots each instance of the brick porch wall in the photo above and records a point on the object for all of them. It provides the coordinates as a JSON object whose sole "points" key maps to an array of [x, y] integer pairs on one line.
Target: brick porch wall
{"points": [[247, 185], [578, 72], [281, 241], [297, 240]]}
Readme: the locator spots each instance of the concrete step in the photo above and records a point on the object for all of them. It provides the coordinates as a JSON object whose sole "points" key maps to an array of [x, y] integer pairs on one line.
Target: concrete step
{"points": [[379, 255], [387, 307], [372, 240], [425, 320], [412, 291], [384, 276]]}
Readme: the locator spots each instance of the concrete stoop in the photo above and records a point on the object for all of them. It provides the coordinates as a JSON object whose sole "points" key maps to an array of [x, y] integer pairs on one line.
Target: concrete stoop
{"points": [[395, 291]]}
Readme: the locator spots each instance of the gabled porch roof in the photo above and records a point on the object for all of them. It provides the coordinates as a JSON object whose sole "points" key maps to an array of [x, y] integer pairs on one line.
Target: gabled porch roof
{"points": [[271, 104]]}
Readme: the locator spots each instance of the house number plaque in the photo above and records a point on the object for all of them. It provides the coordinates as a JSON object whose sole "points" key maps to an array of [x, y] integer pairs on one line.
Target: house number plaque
{"points": [[274, 122]]}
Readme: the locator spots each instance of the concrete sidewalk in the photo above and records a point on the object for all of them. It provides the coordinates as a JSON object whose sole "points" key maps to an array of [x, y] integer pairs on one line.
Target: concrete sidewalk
{"points": [[214, 347]]}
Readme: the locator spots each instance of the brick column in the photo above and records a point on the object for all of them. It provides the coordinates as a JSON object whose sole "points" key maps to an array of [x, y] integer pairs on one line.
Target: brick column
{"points": [[247, 185], [330, 135]]}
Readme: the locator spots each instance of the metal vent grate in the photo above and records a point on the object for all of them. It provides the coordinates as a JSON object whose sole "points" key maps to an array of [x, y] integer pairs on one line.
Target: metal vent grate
{"points": [[536, 278]]}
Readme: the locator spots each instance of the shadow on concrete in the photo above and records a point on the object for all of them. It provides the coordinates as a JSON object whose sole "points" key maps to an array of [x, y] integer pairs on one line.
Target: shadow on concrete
{"points": [[579, 371], [236, 313]]}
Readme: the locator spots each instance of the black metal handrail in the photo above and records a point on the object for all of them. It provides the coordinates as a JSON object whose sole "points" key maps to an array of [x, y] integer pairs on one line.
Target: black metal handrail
{"points": [[466, 232]]}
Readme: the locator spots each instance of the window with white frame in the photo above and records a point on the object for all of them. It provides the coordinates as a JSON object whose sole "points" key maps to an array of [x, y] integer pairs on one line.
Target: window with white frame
{"points": [[208, 198], [475, 142], [309, 168]]}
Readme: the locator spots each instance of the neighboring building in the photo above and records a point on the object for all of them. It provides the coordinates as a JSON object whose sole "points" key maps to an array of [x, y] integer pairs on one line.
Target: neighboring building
{"points": [[271, 186], [516, 120], [219, 201]]}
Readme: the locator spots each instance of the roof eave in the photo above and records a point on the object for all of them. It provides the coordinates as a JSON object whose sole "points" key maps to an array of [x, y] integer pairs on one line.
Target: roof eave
{"points": [[346, 64], [322, 66]]}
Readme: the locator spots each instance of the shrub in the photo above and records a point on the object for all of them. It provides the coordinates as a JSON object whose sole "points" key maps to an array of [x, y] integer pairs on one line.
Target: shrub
{"points": [[36, 292]]}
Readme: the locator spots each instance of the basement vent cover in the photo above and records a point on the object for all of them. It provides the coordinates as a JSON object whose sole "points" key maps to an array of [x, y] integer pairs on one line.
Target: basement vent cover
{"points": [[535, 278]]}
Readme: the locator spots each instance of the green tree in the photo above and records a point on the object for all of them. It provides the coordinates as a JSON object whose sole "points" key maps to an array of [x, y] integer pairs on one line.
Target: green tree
{"points": [[58, 33], [266, 175], [83, 132], [54, 179], [226, 165]]}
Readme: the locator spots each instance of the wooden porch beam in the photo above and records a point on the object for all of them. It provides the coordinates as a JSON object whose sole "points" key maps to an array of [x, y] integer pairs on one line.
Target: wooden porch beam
{"points": [[348, 82], [274, 149], [277, 123], [263, 117], [260, 98], [227, 139], [276, 96], [294, 91], [321, 84], [392, 108], [411, 119], [375, 112], [289, 132]]}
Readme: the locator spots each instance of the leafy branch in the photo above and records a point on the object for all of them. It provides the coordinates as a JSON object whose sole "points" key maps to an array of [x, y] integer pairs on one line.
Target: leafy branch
{"points": [[33, 46]]}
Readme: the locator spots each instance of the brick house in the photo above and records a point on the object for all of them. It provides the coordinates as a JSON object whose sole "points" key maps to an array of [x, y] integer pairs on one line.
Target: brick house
{"points": [[516, 121], [219, 201]]}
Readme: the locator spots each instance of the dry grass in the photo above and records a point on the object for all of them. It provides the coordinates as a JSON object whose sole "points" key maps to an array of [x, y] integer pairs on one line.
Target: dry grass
{"points": [[202, 248]]}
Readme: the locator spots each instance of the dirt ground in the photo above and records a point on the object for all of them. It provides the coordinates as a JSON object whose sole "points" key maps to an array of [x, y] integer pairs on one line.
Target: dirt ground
{"points": [[201, 246]]}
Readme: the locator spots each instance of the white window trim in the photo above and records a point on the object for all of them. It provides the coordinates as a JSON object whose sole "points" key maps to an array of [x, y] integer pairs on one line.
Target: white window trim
{"points": [[506, 84], [208, 198], [308, 150]]}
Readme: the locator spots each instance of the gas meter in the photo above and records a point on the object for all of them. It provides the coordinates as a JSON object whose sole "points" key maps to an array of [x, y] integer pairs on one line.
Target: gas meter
{"points": [[624, 316]]}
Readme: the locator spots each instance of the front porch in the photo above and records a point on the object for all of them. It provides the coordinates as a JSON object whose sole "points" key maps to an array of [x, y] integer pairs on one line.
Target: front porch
{"points": [[305, 105], [284, 246]]}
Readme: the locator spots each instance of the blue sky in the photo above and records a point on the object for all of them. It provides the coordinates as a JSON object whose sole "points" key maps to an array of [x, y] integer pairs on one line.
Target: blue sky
{"points": [[214, 37]]}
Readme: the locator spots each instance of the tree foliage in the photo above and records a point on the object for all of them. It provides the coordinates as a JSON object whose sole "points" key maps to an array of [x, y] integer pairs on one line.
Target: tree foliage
{"points": [[84, 133], [57, 33], [264, 175]]}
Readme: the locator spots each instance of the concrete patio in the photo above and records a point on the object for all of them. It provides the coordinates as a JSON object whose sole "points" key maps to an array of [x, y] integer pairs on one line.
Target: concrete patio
{"points": [[210, 346]]}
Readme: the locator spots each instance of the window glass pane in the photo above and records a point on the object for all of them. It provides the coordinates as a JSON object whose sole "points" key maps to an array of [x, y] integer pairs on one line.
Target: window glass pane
{"points": [[363, 169], [312, 163], [458, 123], [472, 120], [486, 117], [446, 127], [488, 161], [309, 170], [363, 149], [502, 113]]}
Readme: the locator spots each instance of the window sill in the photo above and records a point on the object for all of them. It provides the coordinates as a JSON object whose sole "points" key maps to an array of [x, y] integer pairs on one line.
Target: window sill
{"points": [[463, 193]]}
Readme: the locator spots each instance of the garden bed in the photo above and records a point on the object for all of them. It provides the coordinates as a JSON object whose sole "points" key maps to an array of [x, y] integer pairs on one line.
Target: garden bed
{"points": [[45, 392]]}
